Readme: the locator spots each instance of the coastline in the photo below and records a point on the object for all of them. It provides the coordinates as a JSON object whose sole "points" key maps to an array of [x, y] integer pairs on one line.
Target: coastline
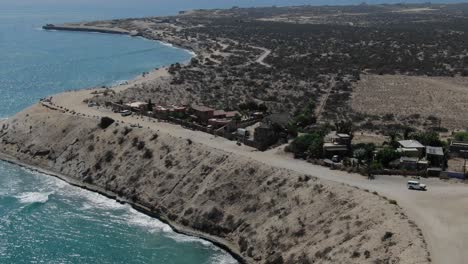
{"points": [[155, 73], [138, 207], [151, 74], [117, 31]]}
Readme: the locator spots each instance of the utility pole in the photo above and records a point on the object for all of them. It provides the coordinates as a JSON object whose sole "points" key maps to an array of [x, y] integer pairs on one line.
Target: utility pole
{"points": [[464, 165]]}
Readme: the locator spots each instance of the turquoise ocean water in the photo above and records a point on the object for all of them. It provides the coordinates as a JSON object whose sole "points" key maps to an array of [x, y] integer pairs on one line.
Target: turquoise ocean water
{"points": [[42, 219]]}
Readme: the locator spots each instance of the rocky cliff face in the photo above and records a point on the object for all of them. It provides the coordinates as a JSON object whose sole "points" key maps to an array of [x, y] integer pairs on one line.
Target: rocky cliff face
{"points": [[265, 214]]}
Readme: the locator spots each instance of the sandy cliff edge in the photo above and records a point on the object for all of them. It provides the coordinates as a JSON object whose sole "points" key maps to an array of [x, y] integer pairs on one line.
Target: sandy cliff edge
{"points": [[263, 214]]}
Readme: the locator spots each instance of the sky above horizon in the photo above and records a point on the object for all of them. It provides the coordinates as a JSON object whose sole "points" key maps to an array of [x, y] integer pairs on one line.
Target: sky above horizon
{"points": [[205, 3], [141, 8]]}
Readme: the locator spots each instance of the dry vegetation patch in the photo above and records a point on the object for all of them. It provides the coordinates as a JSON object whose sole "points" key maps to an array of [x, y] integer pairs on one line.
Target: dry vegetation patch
{"points": [[445, 98]]}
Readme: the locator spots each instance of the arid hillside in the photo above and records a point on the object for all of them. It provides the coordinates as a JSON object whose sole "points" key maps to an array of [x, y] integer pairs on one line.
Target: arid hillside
{"points": [[292, 59], [266, 215]]}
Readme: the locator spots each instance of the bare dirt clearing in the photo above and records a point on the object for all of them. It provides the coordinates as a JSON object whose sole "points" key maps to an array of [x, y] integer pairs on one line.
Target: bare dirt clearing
{"points": [[443, 97]]}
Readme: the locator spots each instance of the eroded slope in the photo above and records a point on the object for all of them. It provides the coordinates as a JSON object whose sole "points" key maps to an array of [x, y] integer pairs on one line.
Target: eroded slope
{"points": [[266, 214]]}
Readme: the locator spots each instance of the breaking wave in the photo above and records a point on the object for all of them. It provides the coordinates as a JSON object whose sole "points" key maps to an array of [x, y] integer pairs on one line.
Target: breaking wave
{"points": [[33, 197]]}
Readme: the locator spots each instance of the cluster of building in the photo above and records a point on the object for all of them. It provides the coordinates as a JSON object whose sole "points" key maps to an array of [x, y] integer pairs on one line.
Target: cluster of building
{"points": [[257, 129], [414, 156], [417, 157], [200, 114]]}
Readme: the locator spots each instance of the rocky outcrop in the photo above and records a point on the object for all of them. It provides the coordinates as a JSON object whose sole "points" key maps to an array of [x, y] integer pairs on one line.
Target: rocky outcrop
{"points": [[264, 214]]}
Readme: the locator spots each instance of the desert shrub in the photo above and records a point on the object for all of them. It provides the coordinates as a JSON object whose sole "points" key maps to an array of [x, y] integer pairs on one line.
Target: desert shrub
{"points": [[91, 148], [154, 137], [106, 122], [126, 131], [141, 145], [168, 163], [109, 156], [215, 215], [387, 235], [148, 154], [393, 202], [323, 253], [88, 179]]}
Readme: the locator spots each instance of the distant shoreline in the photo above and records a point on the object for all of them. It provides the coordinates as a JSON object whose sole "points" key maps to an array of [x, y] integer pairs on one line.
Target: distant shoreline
{"points": [[152, 73], [115, 31]]}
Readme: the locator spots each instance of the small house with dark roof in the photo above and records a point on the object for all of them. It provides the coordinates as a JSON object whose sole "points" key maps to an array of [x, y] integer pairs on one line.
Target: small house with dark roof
{"points": [[458, 149], [336, 144], [203, 113], [435, 157]]}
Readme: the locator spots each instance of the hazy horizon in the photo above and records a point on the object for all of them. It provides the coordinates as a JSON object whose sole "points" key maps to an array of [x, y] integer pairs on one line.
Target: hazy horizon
{"points": [[185, 4]]}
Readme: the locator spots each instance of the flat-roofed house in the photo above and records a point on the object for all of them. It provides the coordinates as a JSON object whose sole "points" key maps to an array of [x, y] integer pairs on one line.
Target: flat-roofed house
{"points": [[336, 144], [459, 149], [435, 156], [138, 106], [411, 148]]}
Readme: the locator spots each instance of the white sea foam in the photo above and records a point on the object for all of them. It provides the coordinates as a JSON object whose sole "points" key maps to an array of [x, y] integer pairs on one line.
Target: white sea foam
{"points": [[166, 44], [223, 259], [119, 82], [136, 218], [99, 201], [180, 238], [33, 197]]}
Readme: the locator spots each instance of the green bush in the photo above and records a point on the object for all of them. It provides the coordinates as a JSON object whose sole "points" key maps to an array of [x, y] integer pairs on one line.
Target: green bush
{"points": [[375, 165], [387, 155], [307, 145], [461, 136], [428, 139], [364, 152]]}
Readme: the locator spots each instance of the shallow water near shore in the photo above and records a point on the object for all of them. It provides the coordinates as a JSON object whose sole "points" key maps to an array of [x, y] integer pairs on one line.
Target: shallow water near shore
{"points": [[43, 219]]}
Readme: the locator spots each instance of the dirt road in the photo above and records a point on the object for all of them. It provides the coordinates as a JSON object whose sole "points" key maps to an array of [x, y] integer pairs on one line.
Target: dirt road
{"points": [[262, 57], [441, 212]]}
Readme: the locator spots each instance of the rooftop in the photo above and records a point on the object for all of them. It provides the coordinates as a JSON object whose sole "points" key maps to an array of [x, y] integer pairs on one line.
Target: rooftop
{"points": [[438, 151], [282, 119], [202, 108], [137, 104], [410, 144]]}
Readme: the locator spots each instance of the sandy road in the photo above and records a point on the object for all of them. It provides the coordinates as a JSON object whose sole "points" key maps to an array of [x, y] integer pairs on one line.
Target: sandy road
{"points": [[261, 59], [441, 212]]}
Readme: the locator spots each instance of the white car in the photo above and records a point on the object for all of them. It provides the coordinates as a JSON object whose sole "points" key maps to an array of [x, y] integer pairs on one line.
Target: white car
{"points": [[126, 113], [415, 185]]}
